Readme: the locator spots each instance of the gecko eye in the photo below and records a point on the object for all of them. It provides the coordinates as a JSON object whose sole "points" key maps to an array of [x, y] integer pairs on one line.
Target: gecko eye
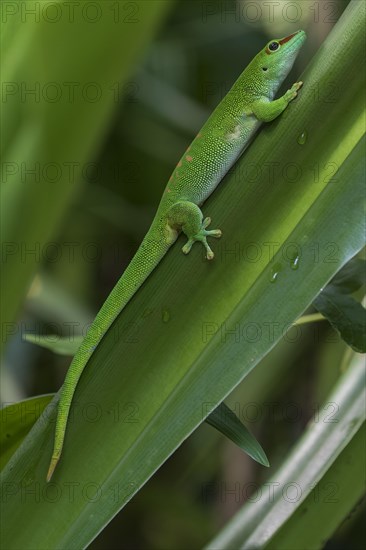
{"points": [[273, 46], [264, 68]]}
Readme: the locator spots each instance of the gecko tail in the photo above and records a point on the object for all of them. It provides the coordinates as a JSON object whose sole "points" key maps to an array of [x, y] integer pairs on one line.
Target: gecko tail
{"points": [[149, 254], [52, 467]]}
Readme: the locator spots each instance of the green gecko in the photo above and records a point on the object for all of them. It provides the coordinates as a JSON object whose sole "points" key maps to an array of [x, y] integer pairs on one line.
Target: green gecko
{"points": [[212, 153]]}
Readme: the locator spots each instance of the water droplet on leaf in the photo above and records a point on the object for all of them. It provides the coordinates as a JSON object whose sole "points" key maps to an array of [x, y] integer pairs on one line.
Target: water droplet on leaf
{"points": [[165, 315], [301, 140], [274, 272], [294, 263]]}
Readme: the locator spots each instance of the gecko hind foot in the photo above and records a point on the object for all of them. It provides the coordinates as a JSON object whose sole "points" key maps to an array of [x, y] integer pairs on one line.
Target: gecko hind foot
{"points": [[201, 236]]}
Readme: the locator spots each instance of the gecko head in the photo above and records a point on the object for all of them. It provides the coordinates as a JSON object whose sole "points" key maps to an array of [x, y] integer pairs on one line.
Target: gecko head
{"points": [[275, 61]]}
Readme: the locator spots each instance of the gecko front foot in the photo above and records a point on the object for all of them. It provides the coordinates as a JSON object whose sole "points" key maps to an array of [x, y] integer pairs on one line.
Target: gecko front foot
{"points": [[292, 93], [201, 236]]}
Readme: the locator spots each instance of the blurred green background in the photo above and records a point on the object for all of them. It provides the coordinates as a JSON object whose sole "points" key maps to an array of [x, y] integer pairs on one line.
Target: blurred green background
{"points": [[135, 125]]}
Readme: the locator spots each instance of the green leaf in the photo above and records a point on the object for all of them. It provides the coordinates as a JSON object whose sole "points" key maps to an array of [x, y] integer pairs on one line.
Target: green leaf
{"points": [[351, 277], [196, 329], [222, 418], [345, 314], [341, 488], [226, 421], [57, 344], [48, 142], [326, 439], [16, 420]]}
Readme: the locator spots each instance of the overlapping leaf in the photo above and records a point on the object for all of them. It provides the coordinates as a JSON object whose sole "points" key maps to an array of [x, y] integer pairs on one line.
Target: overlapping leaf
{"points": [[345, 314]]}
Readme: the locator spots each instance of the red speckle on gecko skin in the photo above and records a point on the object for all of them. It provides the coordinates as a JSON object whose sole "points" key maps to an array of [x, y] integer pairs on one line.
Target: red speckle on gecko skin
{"points": [[189, 158], [179, 163], [168, 190], [199, 135]]}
